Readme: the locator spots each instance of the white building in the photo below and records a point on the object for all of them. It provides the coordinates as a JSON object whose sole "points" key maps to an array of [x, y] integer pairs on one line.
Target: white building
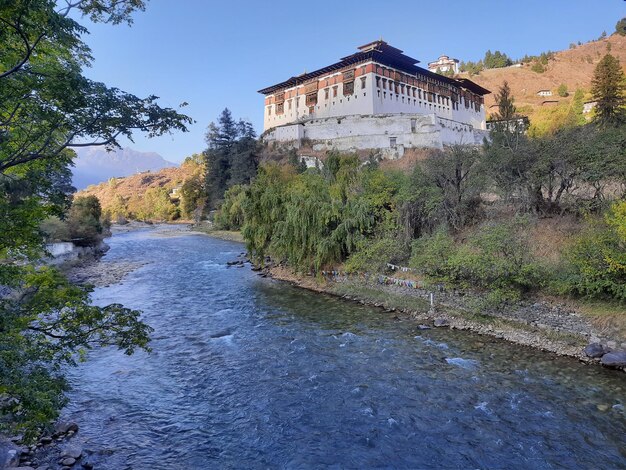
{"points": [[444, 64], [375, 98], [544, 93], [588, 106]]}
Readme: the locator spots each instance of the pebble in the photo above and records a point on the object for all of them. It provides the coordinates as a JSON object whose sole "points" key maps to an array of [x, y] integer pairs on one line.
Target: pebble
{"points": [[602, 407], [423, 327]]}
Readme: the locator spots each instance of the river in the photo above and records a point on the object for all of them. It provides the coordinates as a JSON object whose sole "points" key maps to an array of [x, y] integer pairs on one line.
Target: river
{"points": [[247, 372]]}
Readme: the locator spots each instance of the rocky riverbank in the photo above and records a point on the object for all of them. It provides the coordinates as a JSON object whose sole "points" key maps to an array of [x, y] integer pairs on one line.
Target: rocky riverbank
{"points": [[53, 451], [539, 324]]}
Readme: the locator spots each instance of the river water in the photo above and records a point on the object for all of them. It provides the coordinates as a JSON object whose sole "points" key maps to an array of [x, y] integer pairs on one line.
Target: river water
{"points": [[247, 372]]}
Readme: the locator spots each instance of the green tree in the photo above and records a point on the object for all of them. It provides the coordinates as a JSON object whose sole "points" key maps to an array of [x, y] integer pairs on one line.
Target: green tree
{"points": [[562, 90], [607, 88], [231, 155], [620, 27], [84, 220], [48, 107], [497, 59]]}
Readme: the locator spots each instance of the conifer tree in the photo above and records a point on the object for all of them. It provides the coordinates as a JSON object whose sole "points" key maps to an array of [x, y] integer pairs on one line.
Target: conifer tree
{"points": [[608, 89]]}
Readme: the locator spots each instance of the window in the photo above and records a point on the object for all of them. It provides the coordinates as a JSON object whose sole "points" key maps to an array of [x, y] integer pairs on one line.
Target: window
{"points": [[280, 108], [348, 88], [378, 82], [311, 99], [384, 94], [289, 105], [384, 83], [392, 142], [326, 94], [269, 110], [335, 91], [378, 91], [363, 80], [419, 92], [413, 125]]}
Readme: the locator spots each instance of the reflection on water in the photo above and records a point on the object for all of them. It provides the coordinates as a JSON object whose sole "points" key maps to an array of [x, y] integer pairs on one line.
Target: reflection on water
{"points": [[251, 373]]}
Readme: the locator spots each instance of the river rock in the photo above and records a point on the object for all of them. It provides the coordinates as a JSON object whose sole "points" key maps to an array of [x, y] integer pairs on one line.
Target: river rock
{"points": [[595, 350], [614, 359], [9, 454], [68, 462], [64, 427], [423, 327], [441, 322], [73, 452]]}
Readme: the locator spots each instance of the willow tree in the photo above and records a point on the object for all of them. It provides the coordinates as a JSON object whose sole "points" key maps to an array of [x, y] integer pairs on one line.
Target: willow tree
{"points": [[47, 108]]}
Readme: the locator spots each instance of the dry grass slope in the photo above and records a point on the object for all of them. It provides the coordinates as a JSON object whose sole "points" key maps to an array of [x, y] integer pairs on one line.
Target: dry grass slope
{"points": [[573, 67]]}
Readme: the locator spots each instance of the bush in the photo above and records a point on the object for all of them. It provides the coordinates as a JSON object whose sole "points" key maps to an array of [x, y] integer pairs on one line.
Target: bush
{"points": [[595, 266], [496, 258], [230, 215], [84, 221], [55, 230], [538, 67], [373, 255]]}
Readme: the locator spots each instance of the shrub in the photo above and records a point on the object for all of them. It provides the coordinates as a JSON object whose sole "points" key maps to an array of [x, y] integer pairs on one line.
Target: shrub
{"points": [[595, 266], [55, 229], [538, 67], [496, 258], [84, 220], [373, 255], [230, 215]]}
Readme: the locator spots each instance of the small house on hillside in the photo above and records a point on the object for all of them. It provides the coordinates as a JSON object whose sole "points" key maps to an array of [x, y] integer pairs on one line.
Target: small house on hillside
{"points": [[588, 106], [521, 123], [544, 93]]}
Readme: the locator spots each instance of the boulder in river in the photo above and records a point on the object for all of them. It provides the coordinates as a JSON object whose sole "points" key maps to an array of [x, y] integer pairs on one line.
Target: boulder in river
{"points": [[9, 454], [65, 427], [440, 322], [72, 451], [595, 350], [614, 359]]}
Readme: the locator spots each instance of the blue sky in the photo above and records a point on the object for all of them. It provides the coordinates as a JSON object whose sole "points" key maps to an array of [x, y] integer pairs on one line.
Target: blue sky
{"points": [[214, 54]]}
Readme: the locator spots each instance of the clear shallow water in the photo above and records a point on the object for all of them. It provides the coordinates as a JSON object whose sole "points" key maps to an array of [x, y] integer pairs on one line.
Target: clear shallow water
{"points": [[248, 372]]}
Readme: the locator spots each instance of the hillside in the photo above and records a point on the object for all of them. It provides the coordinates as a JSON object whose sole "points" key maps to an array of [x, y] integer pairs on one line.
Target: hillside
{"points": [[94, 165], [137, 195], [573, 67]]}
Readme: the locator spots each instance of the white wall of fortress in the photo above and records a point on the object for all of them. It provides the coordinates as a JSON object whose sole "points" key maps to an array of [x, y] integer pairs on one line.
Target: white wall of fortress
{"points": [[391, 133]]}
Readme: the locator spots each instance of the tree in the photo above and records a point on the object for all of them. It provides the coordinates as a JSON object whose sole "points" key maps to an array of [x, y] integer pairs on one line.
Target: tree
{"points": [[453, 173], [48, 107], [84, 220], [496, 60], [231, 155], [607, 89], [562, 90], [620, 27]]}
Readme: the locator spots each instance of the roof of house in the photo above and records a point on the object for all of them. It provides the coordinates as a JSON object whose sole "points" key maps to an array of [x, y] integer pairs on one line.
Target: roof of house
{"points": [[382, 53]]}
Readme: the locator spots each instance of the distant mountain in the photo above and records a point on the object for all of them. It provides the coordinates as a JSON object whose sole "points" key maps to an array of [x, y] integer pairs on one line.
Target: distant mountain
{"points": [[95, 165]]}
